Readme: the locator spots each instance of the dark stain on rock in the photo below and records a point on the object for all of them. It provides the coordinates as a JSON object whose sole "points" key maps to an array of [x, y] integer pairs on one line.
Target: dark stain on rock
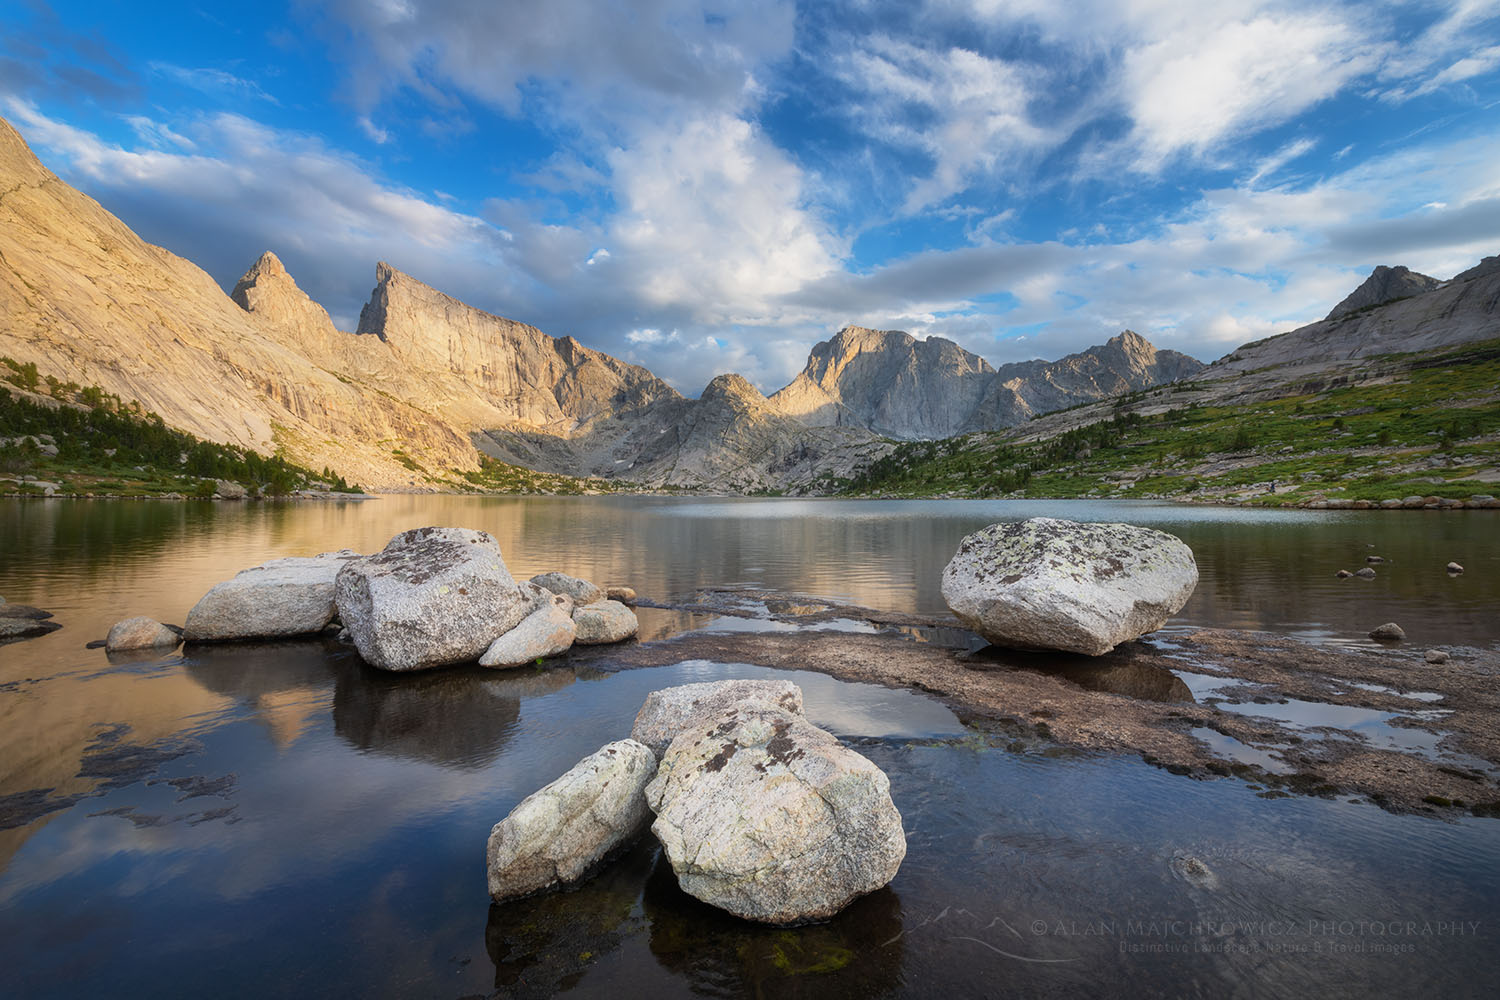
{"points": [[718, 760]]}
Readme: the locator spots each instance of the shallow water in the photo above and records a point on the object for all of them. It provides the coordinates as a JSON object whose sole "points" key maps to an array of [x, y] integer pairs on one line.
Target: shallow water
{"points": [[280, 820]]}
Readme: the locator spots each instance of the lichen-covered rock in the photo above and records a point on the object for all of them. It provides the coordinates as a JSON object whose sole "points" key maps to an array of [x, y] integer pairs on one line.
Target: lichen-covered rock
{"points": [[140, 632], [1052, 584], [547, 631], [559, 833], [431, 597], [280, 598], [672, 710], [581, 591], [604, 621], [767, 816]]}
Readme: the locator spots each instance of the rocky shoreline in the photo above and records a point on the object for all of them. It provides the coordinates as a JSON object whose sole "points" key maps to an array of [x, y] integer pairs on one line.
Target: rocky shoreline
{"points": [[1136, 701]]}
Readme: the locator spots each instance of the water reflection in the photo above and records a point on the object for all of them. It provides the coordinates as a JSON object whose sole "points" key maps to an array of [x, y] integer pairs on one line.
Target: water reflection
{"points": [[1115, 673]]}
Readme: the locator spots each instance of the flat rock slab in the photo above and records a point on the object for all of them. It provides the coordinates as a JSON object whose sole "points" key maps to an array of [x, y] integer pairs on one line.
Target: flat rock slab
{"points": [[559, 833], [23, 611], [277, 599], [603, 622], [547, 631], [766, 816], [1045, 583], [673, 710], [140, 632]]}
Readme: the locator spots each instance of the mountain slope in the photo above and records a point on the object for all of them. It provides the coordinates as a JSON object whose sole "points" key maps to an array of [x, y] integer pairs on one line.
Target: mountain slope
{"points": [[901, 387]]}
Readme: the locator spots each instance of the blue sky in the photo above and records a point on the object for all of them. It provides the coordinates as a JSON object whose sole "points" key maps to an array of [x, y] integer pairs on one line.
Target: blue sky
{"points": [[704, 186]]}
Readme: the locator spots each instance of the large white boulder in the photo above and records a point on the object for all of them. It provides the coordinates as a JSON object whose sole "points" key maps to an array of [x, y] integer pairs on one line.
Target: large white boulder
{"points": [[280, 598], [672, 710], [766, 816], [559, 833], [431, 597], [547, 631], [1052, 584]]}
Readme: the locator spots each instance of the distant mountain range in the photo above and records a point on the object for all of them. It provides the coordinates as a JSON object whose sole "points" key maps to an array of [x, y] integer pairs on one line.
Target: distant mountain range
{"points": [[426, 384]]}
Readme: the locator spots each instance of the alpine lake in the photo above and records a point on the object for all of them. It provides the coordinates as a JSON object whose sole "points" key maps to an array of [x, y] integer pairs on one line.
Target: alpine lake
{"points": [[280, 820]]}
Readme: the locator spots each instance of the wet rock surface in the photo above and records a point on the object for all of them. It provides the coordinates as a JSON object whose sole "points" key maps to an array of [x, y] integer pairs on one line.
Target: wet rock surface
{"points": [[1045, 583], [764, 815]]}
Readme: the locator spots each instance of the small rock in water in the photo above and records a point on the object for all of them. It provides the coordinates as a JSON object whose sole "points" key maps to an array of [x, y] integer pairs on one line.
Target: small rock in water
{"points": [[1367, 573], [672, 710], [1455, 568], [625, 595], [1374, 559], [764, 815], [581, 591], [603, 622], [1343, 574], [547, 631], [140, 632], [1389, 632], [1436, 656], [559, 833], [1194, 871]]}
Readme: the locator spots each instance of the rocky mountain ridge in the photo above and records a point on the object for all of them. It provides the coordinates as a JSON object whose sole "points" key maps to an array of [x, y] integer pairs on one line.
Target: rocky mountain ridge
{"points": [[889, 382]]}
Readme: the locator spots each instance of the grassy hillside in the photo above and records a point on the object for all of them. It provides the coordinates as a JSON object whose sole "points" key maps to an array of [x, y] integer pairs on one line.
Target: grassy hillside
{"points": [[1417, 425]]}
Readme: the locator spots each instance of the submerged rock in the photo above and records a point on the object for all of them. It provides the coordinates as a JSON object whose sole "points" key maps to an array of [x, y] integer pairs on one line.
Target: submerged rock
{"points": [[1455, 568], [672, 710], [764, 815], [1389, 632], [25, 628], [140, 632], [603, 622], [1367, 573], [1051, 584], [559, 833], [280, 598], [1343, 574], [581, 591], [547, 631], [431, 597]]}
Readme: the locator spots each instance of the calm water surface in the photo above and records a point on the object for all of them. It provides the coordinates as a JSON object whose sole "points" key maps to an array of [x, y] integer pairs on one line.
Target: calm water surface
{"points": [[279, 820]]}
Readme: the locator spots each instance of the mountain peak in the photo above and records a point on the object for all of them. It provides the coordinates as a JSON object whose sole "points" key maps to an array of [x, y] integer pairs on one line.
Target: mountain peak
{"points": [[1385, 284], [268, 292]]}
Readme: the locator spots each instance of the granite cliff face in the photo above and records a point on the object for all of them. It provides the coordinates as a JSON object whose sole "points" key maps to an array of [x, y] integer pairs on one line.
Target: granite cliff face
{"points": [[901, 387]]}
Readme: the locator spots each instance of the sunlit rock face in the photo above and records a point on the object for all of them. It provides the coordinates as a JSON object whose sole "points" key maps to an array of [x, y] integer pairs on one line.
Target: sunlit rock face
{"points": [[1051, 584]]}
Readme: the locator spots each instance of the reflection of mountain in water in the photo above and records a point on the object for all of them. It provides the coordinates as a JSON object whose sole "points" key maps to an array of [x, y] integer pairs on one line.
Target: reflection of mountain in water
{"points": [[457, 718], [1114, 673], [285, 683]]}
